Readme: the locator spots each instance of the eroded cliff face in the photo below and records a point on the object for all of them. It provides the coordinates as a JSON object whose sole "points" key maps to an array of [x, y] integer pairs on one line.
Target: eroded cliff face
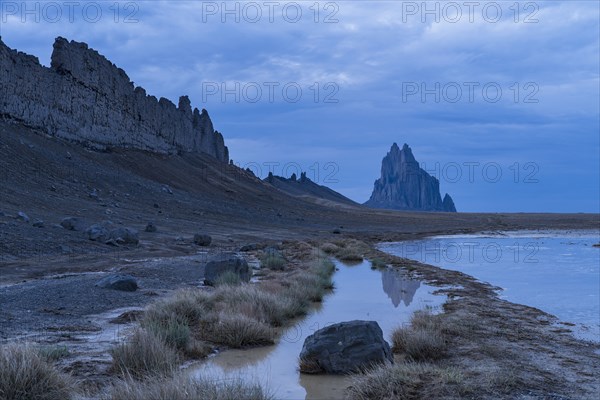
{"points": [[83, 97], [404, 185]]}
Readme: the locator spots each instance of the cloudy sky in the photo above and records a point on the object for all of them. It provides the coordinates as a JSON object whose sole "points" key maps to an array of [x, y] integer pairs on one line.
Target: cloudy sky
{"points": [[499, 100]]}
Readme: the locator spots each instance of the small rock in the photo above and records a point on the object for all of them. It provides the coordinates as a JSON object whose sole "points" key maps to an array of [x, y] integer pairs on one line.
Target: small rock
{"points": [[202, 240], [156, 205], [337, 231], [38, 223], [22, 216], [70, 224], [65, 249], [68, 156], [249, 247], [150, 227], [224, 262], [167, 189], [94, 194], [97, 232], [126, 283], [53, 188]]}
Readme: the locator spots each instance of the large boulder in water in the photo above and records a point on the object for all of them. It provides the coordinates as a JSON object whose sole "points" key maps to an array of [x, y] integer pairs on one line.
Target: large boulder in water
{"points": [[344, 347], [226, 262]]}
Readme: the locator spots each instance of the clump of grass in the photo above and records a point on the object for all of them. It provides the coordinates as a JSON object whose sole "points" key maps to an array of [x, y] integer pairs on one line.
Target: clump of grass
{"points": [[144, 355], [240, 331], [172, 331], [273, 261], [422, 340], [188, 305], [228, 278], [406, 381], [378, 263], [197, 349], [253, 302], [186, 388], [309, 366], [25, 374], [329, 248], [349, 255], [53, 353]]}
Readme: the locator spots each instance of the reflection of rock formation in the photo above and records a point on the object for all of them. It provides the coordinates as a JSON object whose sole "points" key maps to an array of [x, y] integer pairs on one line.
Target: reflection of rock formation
{"points": [[398, 287]]}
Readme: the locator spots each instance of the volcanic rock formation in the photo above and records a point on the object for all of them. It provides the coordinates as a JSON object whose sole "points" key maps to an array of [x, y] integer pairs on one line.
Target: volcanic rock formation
{"points": [[404, 185], [85, 98]]}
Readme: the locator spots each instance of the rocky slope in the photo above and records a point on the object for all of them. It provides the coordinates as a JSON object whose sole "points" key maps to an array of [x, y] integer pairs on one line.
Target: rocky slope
{"points": [[85, 98], [306, 188], [403, 185]]}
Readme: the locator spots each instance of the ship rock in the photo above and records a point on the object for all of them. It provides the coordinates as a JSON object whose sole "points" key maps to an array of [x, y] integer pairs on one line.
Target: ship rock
{"points": [[404, 185]]}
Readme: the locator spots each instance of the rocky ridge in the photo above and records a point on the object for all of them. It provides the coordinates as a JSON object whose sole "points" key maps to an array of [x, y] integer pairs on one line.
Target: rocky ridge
{"points": [[404, 185], [85, 98]]}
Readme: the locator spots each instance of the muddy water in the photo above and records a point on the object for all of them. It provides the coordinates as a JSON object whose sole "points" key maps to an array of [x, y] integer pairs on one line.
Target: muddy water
{"points": [[387, 297]]}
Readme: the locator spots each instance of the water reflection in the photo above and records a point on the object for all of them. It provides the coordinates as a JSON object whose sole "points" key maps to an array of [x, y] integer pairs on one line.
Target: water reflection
{"points": [[398, 287], [358, 295]]}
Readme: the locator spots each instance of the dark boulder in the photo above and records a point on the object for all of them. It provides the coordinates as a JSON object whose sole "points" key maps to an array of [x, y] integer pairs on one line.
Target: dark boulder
{"points": [[71, 224], [226, 262], [124, 235], [126, 283], [202, 239], [249, 247], [345, 347], [150, 227]]}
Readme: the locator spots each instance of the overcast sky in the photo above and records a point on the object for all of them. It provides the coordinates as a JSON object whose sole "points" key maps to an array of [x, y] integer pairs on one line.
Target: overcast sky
{"points": [[499, 101]]}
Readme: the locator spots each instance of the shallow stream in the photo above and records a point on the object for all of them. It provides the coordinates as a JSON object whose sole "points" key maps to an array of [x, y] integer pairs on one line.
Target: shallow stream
{"points": [[388, 297]]}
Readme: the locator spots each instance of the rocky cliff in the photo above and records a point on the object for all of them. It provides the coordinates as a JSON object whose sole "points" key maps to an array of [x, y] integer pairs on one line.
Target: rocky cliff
{"points": [[404, 185], [85, 98]]}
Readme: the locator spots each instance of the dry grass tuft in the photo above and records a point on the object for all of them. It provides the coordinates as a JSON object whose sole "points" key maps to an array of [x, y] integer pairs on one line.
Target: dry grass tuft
{"points": [[228, 278], [184, 388], [25, 374], [309, 366], [329, 248], [273, 261], [144, 355], [423, 340], [239, 331], [407, 381]]}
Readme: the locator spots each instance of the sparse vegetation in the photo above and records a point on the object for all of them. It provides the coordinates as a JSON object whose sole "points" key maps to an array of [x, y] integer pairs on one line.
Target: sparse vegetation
{"points": [[25, 374], [408, 381], [233, 314], [184, 388], [378, 263], [273, 261], [172, 330], [422, 340], [53, 353], [349, 255], [238, 330], [329, 248], [145, 354], [228, 278]]}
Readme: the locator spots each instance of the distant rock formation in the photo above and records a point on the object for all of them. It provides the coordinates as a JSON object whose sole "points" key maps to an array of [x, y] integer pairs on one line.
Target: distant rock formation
{"points": [[404, 185], [303, 186], [85, 98]]}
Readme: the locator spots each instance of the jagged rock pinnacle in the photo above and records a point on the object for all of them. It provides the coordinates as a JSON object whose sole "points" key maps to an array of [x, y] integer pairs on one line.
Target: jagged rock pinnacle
{"points": [[403, 185]]}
